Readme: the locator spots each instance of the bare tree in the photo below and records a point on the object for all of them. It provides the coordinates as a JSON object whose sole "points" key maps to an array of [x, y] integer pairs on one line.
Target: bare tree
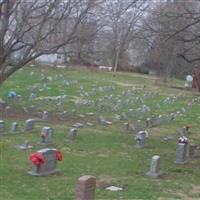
{"points": [[122, 18], [31, 28]]}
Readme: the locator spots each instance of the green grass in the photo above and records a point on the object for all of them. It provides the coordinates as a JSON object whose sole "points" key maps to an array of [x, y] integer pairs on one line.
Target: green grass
{"points": [[105, 152]]}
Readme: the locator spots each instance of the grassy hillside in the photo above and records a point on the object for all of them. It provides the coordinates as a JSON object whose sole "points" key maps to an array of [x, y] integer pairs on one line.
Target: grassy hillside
{"points": [[103, 151]]}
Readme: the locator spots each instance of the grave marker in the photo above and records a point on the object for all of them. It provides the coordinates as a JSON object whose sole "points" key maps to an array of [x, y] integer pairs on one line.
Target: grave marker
{"points": [[85, 188], [154, 171], [44, 162]]}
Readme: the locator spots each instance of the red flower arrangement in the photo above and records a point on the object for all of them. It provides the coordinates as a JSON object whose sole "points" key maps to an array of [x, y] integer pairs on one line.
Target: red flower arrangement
{"points": [[36, 158], [58, 155]]}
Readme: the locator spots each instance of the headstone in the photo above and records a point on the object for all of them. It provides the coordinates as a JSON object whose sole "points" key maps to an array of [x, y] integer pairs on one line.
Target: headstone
{"points": [[45, 116], [44, 162], [24, 146], [14, 127], [46, 136], [149, 123], [138, 126], [29, 124], [85, 188], [7, 110], [154, 171], [140, 139], [72, 134], [181, 153], [78, 125], [192, 150], [2, 126], [128, 128]]}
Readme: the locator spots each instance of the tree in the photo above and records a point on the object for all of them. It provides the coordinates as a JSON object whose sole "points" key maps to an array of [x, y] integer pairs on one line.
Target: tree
{"points": [[122, 18], [31, 28]]}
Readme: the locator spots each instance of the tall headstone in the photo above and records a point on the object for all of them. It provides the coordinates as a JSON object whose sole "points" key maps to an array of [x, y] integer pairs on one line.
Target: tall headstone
{"points": [[44, 162], [14, 127], [2, 126], [29, 124], [149, 123], [46, 135], [154, 171], [85, 188], [72, 134], [45, 116], [181, 153]]}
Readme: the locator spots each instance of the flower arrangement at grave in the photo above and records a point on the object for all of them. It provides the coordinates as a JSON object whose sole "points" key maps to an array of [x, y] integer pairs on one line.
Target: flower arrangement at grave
{"points": [[36, 158], [58, 155], [183, 140]]}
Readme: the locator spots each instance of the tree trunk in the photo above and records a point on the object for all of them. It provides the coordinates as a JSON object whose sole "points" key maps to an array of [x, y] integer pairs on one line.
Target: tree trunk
{"points": [[116, 61]]}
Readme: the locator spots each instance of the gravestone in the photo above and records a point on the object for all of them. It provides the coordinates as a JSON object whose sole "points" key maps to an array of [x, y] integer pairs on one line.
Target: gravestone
{"points": [[140, 139], [2, 126], [78, 125], [154, 171], [85, 188], [72, 134], [192, 150], [7, 110], [45, 115], [44, 162], [46, 136], [138, 126], [181, 153], [29, 124], [24, 146], [128, 128], [14, 127], [149, 123]]}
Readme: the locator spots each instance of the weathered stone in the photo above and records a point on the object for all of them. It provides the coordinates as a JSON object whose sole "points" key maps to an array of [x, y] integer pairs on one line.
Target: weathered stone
{"points": [[181, 154], [140, 139], [85, 188], [72, 134], [46, 136], [48, 166], [154, 171], [29, 124], [14, 127], [192, 150]]}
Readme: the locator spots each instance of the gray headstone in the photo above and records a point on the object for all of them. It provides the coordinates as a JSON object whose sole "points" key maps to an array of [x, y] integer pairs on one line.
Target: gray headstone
{"points": [[140, 139], [128, 128], [46, 135], [45, 116], [29, 124], [2, 126], [85, 188], [138, 126], [24, 146], [72, 134], [78, 125], [49, 165], [192, 150], [154, 171], [149, 123], [14, 127], [181, 154]]}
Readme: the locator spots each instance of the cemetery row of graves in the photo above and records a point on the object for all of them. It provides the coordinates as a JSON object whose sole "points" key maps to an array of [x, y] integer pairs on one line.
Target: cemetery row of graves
{"points": [[122, 137]]}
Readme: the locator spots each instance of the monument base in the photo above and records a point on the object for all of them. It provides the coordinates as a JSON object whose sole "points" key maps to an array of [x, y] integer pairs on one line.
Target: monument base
{"points": [[154, 175], [44, 173]]}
